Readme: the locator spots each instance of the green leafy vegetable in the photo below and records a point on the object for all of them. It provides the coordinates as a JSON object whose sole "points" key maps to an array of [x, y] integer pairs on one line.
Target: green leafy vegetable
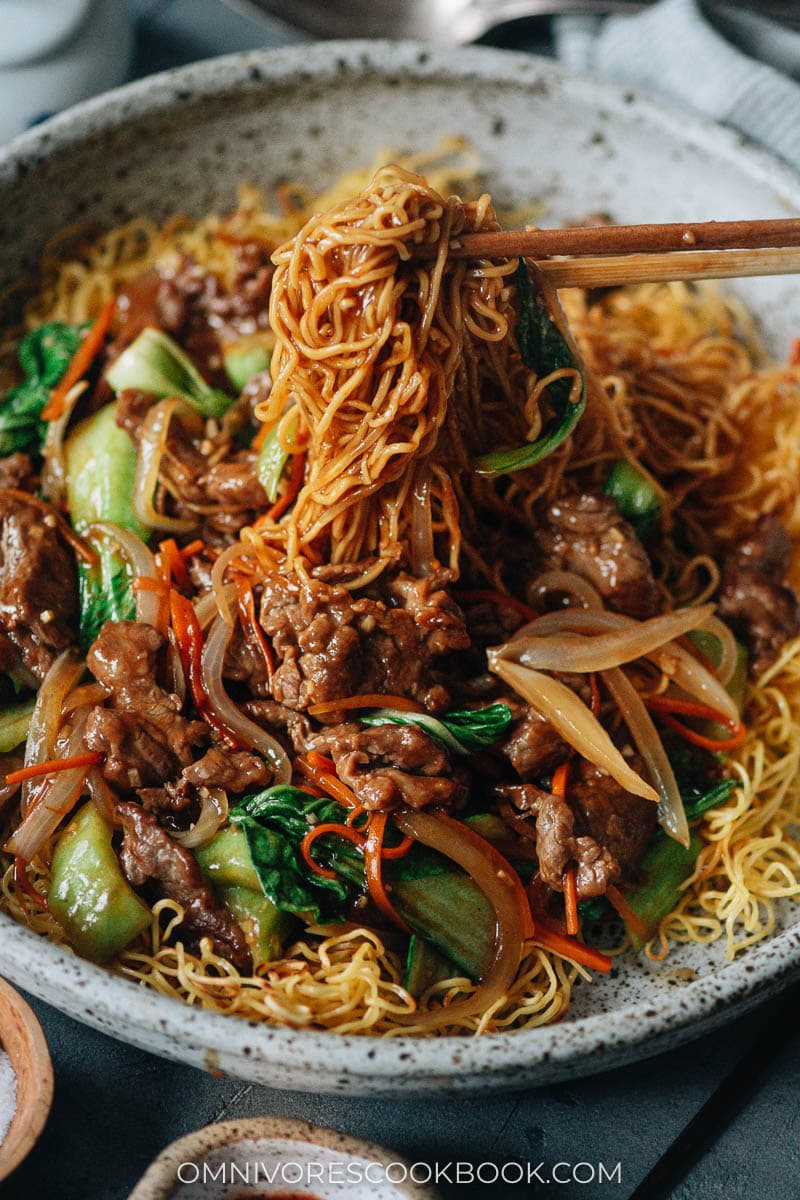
{"points": [[634, 496], [101, 465], [712, 799], [14, 724], [272, 460], [154, 363], [464, 731], [666, 866], [245, 360], [544, 348], [425, 966], [44, 355]]}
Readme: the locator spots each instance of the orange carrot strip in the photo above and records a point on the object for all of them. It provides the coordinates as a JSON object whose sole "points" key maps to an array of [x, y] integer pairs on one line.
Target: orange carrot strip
{"points": [[23, 884], [494, 597], [549, 936], [53, 766], [343, 831], [368, 700], [172, 564], [293, 487], [558, 784], [189, 640], [665, 706], [82, 360], [398, 851], [195, 547], [372, 863], [617, 901], [260, 438], [321, 761], [571, 901], [81, 548], [328, 782]]}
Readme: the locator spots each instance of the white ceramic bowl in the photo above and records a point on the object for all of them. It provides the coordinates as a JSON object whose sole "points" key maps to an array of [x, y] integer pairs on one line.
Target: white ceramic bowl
{"points": [[179, 142]]}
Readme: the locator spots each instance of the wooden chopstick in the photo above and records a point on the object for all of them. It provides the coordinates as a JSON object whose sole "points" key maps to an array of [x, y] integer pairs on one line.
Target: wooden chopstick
{"points": [[628, 239], [613, 255]]}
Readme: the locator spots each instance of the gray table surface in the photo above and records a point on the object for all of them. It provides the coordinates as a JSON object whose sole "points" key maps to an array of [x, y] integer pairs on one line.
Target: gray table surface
{"points": [[115, 1107]]}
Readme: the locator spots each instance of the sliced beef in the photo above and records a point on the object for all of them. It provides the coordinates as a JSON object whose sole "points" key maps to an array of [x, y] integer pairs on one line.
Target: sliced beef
{"points": [[557, 848], [233, 770], [38, 585], [532, 745], [274, 717], [614, 818], [149, 856], [233, 483], [17, 471], [141, 730], [390, 765], [586, 534], [329, 645], [753, 597]]}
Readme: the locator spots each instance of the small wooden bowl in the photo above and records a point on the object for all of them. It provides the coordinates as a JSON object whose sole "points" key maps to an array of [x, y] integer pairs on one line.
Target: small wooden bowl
{"points": [[23, 1041]]}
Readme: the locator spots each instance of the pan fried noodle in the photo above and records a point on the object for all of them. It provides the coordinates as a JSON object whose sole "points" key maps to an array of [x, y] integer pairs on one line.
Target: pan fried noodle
{"points": [[397, 374]]}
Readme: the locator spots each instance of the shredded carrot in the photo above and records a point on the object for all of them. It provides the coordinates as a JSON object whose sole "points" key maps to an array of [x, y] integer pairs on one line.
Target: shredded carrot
{"points": [[327, 780], [634, 922], [571, 901], [144, 583], [494, 597], [320, 761], [81, 548], [292, 488], [82, 360], [691, 648], [373, 850], [794, 353], [172, 564], [398, 851], [368, 700], [23, 883], [247, 607], [353, 816], [665, 706], [550, 937], [189, 640], [343, 831], [195, 547], [260, 438], [53, 766], [595, 686], [558, 784]]}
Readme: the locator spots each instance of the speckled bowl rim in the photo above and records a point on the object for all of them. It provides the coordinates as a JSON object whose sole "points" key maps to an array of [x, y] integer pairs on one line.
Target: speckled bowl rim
{"points": [[159, 1180], [570, 1048]]}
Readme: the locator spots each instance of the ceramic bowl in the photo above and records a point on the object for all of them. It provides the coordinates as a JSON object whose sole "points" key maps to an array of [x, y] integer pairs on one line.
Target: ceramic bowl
{"points": [[180, 142], [262, 1156], [23, 1041]]}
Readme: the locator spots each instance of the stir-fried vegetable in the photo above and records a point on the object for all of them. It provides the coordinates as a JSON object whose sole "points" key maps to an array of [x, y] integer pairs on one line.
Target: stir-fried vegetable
{"points": [[272, 460], [154, 363], [88, 893], [546, 346], [465, 731], [44, 355], [634, 495], [243, 360], [14, 724], [425, 966], [101, 466], [665, 867]]}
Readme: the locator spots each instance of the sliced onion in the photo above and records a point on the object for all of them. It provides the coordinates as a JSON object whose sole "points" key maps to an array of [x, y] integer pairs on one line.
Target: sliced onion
{"points": [[101, 794], [46, 718], [152, 445], [728, 653], [577, 652], [565, 581], [142, 564], [671, 813], [86, 693], [213, 815], [422, 553], [207, 607], [51, 806], [679, 664], [222, 595], [229, 713], [573, 720], [499, 883], [54, 472]]}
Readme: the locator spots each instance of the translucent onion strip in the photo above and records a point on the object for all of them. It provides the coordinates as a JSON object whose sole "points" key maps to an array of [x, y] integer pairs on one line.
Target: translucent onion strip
{"points": [[222, 594], [577, 652], [568, 582], [101, 794], [142, 565], [46, 718], [728, 654], [671, 814], [229, 713], [54, 471], [213, 815], [50, 806], [152, 445], [573, 720], [681, 666], [502, 889]]}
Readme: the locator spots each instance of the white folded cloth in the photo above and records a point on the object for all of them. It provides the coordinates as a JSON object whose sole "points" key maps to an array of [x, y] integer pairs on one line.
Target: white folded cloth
{"points": [[735, 66]]}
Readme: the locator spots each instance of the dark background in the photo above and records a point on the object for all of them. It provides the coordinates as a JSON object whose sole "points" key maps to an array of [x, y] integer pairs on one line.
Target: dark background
{"points": [[732, 1098]]}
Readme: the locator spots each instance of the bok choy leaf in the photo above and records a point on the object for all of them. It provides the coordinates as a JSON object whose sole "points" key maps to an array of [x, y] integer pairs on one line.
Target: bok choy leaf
{"points": [[44, 355], [465, 731], [155, 364]]}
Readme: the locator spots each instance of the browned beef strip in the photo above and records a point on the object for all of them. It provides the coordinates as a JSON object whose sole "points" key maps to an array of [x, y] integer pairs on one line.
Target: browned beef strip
{"points": [[149, 854], [753, 597], [233, 482], [587, 535], [557, 848], [532, 745], [390, 765], [234, 770], [38, 586], [17, 471], [141, 730], [245, 664], [614, 818], [329, 645], [274, 717]]}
